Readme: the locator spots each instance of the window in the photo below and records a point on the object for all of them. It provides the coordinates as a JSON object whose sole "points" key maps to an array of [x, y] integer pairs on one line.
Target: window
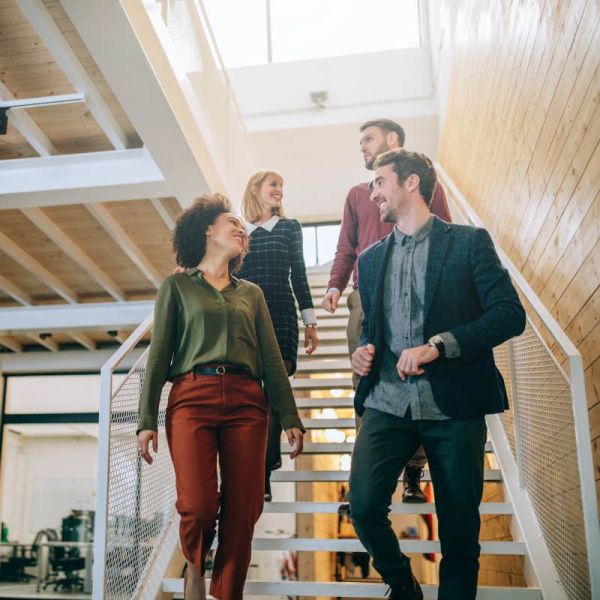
{"points": [[253, 32], [320, 242]]}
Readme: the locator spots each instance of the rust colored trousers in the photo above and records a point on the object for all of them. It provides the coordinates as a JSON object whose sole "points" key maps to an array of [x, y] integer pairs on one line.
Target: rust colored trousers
{"points": [[222, 417]]}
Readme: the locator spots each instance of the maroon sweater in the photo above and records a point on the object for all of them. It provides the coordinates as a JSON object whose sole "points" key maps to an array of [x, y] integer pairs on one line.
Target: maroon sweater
{"points": [[362, 226]]}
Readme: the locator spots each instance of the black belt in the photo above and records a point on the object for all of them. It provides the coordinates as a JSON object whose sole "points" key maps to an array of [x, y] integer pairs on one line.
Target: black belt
{"points": [[220, 370]]}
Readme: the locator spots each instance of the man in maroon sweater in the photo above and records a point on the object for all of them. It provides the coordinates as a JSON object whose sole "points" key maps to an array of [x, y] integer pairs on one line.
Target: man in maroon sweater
{"points": [[361, 227]]}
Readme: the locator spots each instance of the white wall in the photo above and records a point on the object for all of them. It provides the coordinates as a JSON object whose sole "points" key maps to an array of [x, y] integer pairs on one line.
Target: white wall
{"points": [[351, 80], [320, 164], [43, 479]]}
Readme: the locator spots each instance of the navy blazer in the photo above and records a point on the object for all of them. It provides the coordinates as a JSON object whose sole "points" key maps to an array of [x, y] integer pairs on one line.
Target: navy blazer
{"points": [[468, 293]]}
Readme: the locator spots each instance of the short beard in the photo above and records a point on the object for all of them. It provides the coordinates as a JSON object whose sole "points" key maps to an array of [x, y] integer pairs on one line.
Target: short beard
{"points": [[369, 163]]}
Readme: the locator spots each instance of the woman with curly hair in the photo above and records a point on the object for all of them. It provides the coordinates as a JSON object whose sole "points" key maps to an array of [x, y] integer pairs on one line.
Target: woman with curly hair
{"points": [[213, 338], [276, 258]]}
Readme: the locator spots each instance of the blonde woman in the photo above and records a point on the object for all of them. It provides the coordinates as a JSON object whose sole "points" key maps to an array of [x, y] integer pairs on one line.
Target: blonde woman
{"points": [[275, 262]]}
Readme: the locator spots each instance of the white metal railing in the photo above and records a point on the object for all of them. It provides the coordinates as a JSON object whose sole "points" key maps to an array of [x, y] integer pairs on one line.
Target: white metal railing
{"points": [[136, 522], [543, 443]]}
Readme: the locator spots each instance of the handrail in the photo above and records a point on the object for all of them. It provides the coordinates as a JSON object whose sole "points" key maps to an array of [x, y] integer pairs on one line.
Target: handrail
{"points": [[555, 329], [576, 383], [106, 395]]}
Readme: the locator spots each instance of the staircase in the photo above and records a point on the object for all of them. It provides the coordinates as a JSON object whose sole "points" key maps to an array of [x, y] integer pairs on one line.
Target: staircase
{"points": [[327, 374], [539, 496]]}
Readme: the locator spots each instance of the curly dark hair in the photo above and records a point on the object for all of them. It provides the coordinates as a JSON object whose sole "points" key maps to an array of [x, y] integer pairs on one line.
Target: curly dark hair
{"points": [[189, 237]]}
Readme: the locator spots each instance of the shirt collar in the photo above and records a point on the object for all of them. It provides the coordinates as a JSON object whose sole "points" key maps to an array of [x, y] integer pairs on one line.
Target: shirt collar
{"points": [[268, 225], [418, 236], [195, 270]]}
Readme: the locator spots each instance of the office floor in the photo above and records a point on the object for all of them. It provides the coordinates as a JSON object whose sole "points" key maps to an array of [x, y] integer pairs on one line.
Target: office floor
{"points": [[28, 590]]}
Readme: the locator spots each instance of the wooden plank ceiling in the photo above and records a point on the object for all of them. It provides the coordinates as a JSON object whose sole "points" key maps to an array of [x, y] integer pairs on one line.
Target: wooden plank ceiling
{"points": [[86, 259]]}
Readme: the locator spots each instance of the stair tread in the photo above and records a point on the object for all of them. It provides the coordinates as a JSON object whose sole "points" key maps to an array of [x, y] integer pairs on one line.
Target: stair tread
{"points": [[324, 476], [427, 508], [337, 447], [356, 590]]}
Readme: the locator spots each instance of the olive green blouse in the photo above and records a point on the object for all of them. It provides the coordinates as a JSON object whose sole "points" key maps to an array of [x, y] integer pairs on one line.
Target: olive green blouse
{"points": [[194, 324]]}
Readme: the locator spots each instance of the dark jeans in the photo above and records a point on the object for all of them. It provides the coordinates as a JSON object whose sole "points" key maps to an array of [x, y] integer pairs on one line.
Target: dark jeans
{"points": [[455, 450]]}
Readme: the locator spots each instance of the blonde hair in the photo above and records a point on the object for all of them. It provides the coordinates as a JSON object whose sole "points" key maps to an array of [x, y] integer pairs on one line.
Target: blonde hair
{"points": [[251, 203]]}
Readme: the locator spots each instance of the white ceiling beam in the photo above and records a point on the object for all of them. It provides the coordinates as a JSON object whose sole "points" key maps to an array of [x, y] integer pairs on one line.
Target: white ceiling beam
{"points": [[77, 172], [85, 340], [100, 316], [8, 287], [49, 32], [120, 236], [27, 127], [163, 120], [35, 268], [47, 342], [64, 361], [165, 215], [99, 193], [42, 101], [69, 247], [11, 344]]}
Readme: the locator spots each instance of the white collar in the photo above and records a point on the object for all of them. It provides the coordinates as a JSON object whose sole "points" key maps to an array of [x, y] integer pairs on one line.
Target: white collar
{"points": [[268, 225]]}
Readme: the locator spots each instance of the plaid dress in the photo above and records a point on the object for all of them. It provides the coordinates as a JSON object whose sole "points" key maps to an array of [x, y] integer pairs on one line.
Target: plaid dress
{"points": [[275, 262]]}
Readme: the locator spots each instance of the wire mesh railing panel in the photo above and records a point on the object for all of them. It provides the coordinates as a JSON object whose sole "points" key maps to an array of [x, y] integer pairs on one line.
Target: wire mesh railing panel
{"points": [[141, 514], [548, 458], [501, 356]]}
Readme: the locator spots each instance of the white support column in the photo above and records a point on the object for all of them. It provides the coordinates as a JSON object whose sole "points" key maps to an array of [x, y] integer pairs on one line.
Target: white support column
{"points": [[85, 340], [126, 244], [34, 267], [69, 247], [52, 37], [8, 287], [27, 127]]}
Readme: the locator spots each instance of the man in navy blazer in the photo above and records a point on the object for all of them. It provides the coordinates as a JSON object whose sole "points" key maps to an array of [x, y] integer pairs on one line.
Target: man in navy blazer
{"points": [[436, 302]]}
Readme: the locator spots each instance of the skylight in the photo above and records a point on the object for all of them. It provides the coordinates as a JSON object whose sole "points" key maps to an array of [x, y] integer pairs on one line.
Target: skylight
{"points": [[254, 32]]}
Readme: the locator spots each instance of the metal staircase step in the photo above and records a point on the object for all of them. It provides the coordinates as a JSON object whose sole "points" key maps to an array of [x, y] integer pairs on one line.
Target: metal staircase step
{"points": [[398, 508], [306, 403], [329, 423], [324, 351], [341, 365], [337, 448], [331, 322], [325, 476], [340, 313], [336, 335], [329, 383], [353, 590], [354, 545]]}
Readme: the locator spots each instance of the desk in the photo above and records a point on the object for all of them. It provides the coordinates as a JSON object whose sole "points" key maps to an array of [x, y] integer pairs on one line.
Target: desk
{"points": [[20, 552], [43, 558]]}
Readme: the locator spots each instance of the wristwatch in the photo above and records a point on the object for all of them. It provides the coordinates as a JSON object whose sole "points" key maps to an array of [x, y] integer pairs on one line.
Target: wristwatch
{"points": [[437, 341]]}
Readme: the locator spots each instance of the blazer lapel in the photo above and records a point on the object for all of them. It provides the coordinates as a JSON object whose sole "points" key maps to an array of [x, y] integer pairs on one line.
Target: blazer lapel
{"points": [[380, 266], [438, 246]]}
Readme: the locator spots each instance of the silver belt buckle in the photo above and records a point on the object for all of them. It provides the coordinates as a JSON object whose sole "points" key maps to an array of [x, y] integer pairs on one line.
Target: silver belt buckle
{"points": [[220, 370]]}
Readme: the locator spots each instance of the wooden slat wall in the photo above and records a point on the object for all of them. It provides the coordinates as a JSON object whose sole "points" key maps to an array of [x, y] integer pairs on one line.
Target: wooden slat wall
{"points": [[521, 140]]}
